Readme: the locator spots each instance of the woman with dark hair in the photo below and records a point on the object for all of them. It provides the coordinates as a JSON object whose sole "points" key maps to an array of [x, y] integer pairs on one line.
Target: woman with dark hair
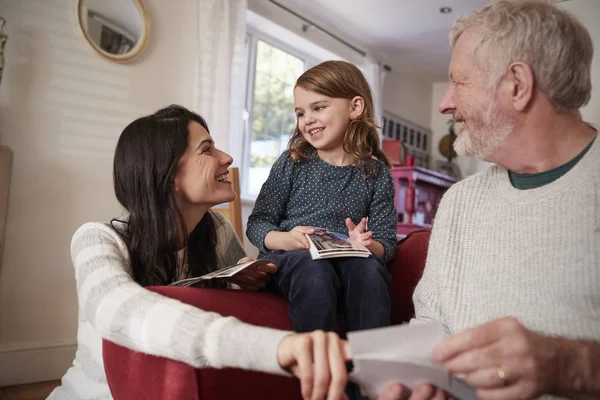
{"points": [[167, 175]]}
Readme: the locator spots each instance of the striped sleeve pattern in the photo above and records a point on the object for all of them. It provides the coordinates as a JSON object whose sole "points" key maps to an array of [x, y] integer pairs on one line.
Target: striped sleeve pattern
{"points": [[112, 306]]}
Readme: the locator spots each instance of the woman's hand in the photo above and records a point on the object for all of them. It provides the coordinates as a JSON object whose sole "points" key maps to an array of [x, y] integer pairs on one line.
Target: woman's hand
{"points": [[254, 277], [318, 359], [292, 240], [357, 232]]}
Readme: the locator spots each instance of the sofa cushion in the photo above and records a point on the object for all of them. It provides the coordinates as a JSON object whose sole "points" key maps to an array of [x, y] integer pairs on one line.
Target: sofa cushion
{"points": [[134, 375], [406, 271]]}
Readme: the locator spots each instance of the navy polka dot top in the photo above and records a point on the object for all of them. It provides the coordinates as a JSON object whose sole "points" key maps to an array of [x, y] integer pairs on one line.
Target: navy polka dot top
{"points": [[316, 193]]}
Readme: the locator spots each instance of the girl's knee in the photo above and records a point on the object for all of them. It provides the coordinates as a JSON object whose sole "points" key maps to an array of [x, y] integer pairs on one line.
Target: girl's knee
{"points": [[316, 277], [368, 270], [318, 269]]}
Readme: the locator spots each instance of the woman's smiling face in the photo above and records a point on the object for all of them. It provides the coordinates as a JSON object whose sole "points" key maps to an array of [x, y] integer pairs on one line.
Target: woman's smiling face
{"points": [[203, 176]]}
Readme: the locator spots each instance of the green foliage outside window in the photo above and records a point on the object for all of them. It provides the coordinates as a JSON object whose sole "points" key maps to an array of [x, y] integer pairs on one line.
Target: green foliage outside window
{"points": [[273, 116]]}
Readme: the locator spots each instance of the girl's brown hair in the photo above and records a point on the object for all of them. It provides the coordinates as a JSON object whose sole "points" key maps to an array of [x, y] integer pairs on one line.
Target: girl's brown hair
{"points": [[339, 79]]}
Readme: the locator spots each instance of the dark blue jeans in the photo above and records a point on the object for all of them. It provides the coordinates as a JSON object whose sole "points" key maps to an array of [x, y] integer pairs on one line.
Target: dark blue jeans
{"points": [[317, 289]]}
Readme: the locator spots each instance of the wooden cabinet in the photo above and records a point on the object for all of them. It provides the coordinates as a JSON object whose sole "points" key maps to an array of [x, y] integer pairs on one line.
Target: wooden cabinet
{"points": [[418, 193]]}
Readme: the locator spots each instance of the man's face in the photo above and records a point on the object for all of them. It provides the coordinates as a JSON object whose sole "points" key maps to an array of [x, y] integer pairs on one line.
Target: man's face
{"points": [[486, 122]]}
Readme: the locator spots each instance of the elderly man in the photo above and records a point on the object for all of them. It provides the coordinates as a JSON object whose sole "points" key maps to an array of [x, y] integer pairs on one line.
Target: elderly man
{"points": [[513, 270]]}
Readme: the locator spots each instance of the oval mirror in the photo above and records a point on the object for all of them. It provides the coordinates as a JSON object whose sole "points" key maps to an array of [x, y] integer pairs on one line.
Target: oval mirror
{"points": [[117, 29]]}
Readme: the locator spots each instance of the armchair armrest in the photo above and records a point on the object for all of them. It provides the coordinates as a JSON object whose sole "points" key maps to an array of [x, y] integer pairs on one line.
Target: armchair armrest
{"points": [[406, 270], [133, 375]]}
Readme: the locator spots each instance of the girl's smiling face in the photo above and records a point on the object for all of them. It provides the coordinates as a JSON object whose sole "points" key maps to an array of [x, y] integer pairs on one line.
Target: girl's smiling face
{"points": [[322, 120]]}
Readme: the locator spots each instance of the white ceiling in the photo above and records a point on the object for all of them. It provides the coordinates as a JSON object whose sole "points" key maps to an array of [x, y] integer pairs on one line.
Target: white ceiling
{"points": [[409, 35]]}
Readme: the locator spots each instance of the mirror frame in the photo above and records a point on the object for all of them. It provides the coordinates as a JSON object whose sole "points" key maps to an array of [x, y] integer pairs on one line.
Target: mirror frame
{"points": [[139, 46]]}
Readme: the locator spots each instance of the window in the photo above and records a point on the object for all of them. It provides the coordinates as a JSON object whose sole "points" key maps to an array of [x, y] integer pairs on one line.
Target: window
{"points": [[271, 109], [275, 58]]}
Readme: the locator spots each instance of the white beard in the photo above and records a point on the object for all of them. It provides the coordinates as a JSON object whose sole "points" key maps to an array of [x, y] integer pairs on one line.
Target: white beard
{"points": [[481, 142]]}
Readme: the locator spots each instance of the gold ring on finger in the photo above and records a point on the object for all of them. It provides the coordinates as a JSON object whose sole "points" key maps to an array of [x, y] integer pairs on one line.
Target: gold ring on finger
{"points": [[502, 376]]}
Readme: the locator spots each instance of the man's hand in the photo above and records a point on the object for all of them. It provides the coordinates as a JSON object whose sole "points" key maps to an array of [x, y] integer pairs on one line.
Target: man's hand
{"points": [[503, 360], [318, 359], [254, 277]]}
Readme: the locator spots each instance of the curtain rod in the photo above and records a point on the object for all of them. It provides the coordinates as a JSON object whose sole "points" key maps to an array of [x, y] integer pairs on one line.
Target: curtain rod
{"points": [[356, 49]]}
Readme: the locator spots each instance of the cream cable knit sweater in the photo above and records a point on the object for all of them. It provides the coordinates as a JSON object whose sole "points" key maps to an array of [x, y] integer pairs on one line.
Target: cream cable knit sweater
{"points": [[532, 254]]}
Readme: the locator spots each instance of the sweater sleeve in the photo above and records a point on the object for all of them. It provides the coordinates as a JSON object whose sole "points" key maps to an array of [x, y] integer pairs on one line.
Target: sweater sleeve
{"points": [[229, 247], [383, 217], [125, 313], [426, 297], [271, 202]]}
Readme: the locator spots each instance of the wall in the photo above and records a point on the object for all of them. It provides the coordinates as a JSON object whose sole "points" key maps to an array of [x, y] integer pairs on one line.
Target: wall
{"points": [[439, 125], [62, 108], [408, 97], [587, 11]]}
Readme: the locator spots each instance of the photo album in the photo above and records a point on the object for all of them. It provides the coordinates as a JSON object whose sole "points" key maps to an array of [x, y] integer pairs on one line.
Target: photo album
{"points": [[226, 272], [402, 354], [327, 244]]}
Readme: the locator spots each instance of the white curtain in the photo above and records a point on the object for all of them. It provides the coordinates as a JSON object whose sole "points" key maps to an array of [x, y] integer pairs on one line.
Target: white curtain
{"points": [[220, 57], [375, 74]]}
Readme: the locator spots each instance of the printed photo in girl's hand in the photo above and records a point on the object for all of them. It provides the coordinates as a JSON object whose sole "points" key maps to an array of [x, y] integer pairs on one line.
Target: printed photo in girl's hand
{"points": [[327, 244]]}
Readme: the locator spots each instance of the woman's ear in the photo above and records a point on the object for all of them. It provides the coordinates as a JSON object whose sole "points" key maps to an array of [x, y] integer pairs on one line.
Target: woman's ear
{"points": [[357, 106]]}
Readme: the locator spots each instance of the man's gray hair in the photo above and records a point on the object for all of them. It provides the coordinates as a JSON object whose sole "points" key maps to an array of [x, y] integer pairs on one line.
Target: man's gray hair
{"points": [[556, 46]]}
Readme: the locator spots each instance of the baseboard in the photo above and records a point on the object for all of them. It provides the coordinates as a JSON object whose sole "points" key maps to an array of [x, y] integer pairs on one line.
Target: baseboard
{"points": [[35, 362]]}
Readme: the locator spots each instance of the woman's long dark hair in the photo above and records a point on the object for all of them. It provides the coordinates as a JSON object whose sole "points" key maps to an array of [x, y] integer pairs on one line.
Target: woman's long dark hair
{"points": [[146, 162]]}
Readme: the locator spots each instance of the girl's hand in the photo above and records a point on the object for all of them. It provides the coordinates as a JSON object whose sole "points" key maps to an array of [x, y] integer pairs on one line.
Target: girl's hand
{"points": [[318, 359], [296, 238], [357, 232], [291, 240], [502, 359], [254, 277]]}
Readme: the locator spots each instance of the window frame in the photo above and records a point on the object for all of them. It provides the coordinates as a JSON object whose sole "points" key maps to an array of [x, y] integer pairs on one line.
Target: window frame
{"points": [[253, 36]]}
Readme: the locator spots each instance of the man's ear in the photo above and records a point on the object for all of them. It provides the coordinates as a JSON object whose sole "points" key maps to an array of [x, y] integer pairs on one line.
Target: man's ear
{"points": [[521, 81], [357, 106]]}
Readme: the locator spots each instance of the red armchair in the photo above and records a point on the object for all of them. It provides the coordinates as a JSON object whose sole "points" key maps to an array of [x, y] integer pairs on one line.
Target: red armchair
{"points": [[134, 375]]}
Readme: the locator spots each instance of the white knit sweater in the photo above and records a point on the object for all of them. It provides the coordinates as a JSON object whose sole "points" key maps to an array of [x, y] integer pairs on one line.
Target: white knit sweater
{"points": [[114, 307], [533, 254]]}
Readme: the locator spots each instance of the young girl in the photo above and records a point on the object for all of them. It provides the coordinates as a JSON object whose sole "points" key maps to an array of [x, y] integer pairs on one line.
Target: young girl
{"points": [[333, 175], [167, 175]]}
